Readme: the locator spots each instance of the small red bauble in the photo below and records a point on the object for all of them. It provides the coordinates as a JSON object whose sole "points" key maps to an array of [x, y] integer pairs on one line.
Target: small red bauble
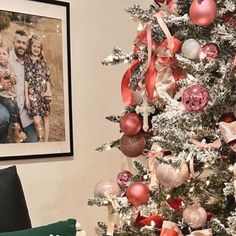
{"points": [[130, 124], [132, 146], [203, 12], [208, 52], [123, 178], [228, 117], [137, 193], [195, 98], [141, 221]]}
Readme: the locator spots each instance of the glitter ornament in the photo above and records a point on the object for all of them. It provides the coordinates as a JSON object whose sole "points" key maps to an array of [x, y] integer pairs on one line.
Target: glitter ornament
{"points": [[132, 146], [195, 98], [190, 49], [123, 178], [106, 186], [169, 176], [208, 52], [137, 193], [203, 12], [130, 124], [195, 216]]}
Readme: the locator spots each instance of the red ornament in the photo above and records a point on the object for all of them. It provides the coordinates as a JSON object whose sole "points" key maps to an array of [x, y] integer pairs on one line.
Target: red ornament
{"points": [[208, 52], [195, 98], [228, 117], [142, 221], [130, 124], [175, 203], [132, 146], [137, 193], [123, 178], [203, 12]]}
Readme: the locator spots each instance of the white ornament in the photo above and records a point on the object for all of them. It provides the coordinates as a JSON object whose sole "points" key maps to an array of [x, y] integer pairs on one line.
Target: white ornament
{"points": [[190, 49]]}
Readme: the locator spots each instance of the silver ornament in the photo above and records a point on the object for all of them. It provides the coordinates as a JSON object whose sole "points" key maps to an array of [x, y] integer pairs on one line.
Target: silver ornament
{"points": [[190, 49]]}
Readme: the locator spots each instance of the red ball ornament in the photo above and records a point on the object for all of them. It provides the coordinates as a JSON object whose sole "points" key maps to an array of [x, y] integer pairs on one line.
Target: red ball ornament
{"points": [[203, 12], [123, 178], [130, 124], [137, 193], [195, 98], [141, 221], [132, 146], [195, 216], [208, 52]]}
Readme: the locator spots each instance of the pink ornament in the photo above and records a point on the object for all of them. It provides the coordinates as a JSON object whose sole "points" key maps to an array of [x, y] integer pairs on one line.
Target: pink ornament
{"points": [[203, 12], [106, 187], [137, 193], [130, 124], [195, 98], [171, 177], [123, 179], [208, 52], [195, 216]]}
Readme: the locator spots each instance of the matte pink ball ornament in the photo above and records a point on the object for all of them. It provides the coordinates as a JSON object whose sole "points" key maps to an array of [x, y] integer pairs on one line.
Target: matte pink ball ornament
{"points": [[105, 187], [195, 98], [208, 52], [195, 216], [123, 178], [171, 177], [137, 193], [203, 12], [130, 124]]}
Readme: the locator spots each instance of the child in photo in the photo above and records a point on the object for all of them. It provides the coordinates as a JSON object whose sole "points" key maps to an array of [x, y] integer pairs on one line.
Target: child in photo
{"points": [[8, 97], [37, 87]]}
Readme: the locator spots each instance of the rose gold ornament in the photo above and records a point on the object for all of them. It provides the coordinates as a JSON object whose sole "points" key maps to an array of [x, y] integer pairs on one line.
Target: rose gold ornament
{"points": [[208, 52], [130, 124], [203, 12], [171, 177], [137, 193], [132, 146], [106, 187], [195, 216]]}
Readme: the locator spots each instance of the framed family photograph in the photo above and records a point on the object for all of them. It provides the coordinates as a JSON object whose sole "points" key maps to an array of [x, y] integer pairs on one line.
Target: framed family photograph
{"points": [[35, 79]]}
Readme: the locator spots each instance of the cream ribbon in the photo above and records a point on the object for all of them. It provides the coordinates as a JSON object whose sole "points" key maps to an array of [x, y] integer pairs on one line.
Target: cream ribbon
{"points": [[205, 232], [228, 130]]}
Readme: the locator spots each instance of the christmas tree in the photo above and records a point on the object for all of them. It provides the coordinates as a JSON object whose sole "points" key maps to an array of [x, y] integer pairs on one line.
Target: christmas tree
{"points": [[179, 96]]}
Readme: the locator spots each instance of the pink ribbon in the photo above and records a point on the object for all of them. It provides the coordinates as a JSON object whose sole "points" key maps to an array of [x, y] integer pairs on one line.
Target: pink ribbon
{"points": [[228, 131], [205, 232], [170, 228]]}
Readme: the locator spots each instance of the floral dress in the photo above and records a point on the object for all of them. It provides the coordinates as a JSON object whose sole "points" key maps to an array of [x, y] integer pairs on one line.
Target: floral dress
{"points": [[37, 74]]}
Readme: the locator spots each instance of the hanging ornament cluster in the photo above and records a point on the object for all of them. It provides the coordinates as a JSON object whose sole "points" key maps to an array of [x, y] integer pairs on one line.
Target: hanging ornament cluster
{"points": [[195, 98], [203, 12]]}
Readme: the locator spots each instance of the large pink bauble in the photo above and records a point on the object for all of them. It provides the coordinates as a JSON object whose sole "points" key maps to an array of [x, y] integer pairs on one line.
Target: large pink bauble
{"points": [[123, 178], [130, 124], [208, 52], [169, 176], [203, 12], [106, 186], [195, 98], [137, 193], [195, 216]]}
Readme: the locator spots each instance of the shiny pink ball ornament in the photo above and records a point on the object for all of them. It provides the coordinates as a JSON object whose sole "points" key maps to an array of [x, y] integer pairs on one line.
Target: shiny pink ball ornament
{"points": [[137, 193], [130, 124], [123, 178], [208, 52], [195, 98], [203, 12], [106, 186], [195, 216]]}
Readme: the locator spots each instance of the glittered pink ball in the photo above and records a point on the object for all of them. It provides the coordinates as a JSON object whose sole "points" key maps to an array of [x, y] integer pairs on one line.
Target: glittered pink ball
{"points": [[203, 12], [123, 178], [208, 52], [195, 216], [195, 98], [169, 176], [106, 186], [137, 193]]}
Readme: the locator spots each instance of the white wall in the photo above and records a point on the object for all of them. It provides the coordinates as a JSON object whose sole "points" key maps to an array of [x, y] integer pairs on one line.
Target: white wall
{"points": [[58, 188]]}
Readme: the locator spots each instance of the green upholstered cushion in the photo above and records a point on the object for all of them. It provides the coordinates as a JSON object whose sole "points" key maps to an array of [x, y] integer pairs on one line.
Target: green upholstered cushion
{"points": [[61, 228], [13, 209]]}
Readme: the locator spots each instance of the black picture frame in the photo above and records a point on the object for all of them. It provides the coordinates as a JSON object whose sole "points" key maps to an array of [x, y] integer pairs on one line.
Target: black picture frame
{"points": [[51, 20]]}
